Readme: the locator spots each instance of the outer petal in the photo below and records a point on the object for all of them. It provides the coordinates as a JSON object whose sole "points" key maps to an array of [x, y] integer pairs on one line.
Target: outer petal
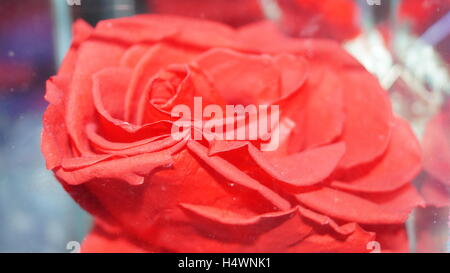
{"points": [[242, 78], [392, 208], [92, 57], [55, 141], [301, 169], [317, 109], [236, 176], [130, 169], [335, 19], [392, 238], [265, 37], [218, 10], [146, 210], [134, 54], [369, 119], [155, 28], [325, 221], [109, 89], [295, 233], [273, 232], [401, 163], [259, 231], [100, 241], [329, 243]]}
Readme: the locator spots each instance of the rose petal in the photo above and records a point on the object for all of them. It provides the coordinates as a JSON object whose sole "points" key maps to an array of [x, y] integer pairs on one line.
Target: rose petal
{"points": [[134, 54], [294, 72], [241, 78], [172, 86], [220, 146], [369, 119], [74, 163], [330, 243], [266, 37], [216, 10], [149, 145], [54, 92], [129, 169], [92, 57], [55, 140], [301, 169], [267, 233], [286, 236], [327, 221], [81, 31], [111, 146], [392, 238], [334, 19], [400, 164], [158, 57], [318, 111], [109, 89], [237, 176], [100, 241], [392, 208], [156, 27], [228, 218]]}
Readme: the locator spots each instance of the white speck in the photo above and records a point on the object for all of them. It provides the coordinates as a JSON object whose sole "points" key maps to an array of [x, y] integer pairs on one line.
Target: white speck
{"points": [[11, 53]]}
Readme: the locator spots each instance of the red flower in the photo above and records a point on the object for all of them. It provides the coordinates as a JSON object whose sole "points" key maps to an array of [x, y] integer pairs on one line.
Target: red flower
{"points": [[339, 179], [422, 14], [232, 12], [335, 19]]}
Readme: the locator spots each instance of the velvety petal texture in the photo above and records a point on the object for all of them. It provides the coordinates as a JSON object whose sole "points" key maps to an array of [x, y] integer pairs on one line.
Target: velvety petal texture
{"points": [[338, 178]]}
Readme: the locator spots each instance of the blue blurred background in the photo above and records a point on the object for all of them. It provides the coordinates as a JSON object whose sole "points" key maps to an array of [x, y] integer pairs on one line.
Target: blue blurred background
{"points": [[36, 215]]}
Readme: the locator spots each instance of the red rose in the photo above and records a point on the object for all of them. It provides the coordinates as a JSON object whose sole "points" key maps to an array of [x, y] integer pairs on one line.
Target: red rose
{"points": [[429, 19], [335, 19], [232, 12], [422, 14], [338, 180]]}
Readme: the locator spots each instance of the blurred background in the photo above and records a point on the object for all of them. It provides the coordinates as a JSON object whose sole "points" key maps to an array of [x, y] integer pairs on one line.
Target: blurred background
{"points": [[406, 44]]}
